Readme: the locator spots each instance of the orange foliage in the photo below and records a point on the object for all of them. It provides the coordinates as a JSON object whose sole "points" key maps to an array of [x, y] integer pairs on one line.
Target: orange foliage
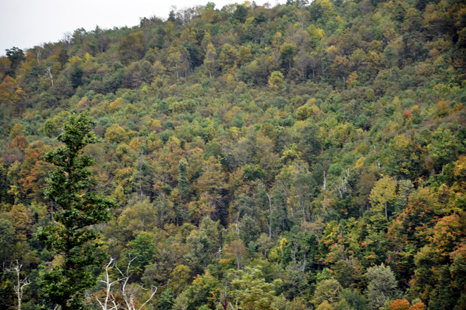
{"points": [[20, 143], [419, 214], [418, 306], [34, 171], [399, 304], [446, 235], [407, 115]]}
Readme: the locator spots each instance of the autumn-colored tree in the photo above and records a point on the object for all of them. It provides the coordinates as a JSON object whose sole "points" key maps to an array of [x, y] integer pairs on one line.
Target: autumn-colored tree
{"points": [[400, 304], [115, 133], [237, 249], [382, 194], [17, 130], [211, 183], [210, 59], [312, 140], [228, 57], [132, 47], [276, 81], [252, 291], [327, 291], [180, 278]]}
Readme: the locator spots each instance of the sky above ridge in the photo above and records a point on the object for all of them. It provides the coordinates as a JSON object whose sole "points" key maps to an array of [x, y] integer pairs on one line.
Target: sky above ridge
{"points": [[26, 23]]}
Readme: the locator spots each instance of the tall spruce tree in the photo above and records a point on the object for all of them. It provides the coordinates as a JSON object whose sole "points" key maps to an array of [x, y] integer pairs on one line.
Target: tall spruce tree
{"points": [[71, 235]]}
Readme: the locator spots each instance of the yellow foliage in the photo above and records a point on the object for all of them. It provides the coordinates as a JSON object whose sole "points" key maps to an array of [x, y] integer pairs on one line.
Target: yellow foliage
{"points": [[155, 124], [84, 102], [282, 242], [458, 107], [153, 142], [135, 144], [332, 49], [235, 133], [439, 61], [442, 108], [119, 194], [276, 80], [302, 113], [17, 130], [360, 162], [116, 105], [327, 6], [352, 79], [75, 61], [424, 69], [277, 39], [325, 306], [250, 20], [116, 134], [88, 57], [383, 193], [58, 260]]}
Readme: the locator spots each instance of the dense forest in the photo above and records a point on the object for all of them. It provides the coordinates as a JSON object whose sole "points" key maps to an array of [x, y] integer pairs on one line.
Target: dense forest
{"points": [[297, 156]]}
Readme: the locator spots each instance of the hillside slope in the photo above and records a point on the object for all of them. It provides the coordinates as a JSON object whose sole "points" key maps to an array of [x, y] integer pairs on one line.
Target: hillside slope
{"points": [[315, 153]]}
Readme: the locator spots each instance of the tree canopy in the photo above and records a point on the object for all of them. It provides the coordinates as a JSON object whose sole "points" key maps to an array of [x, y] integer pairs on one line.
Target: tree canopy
{"points": [[287, 156]]}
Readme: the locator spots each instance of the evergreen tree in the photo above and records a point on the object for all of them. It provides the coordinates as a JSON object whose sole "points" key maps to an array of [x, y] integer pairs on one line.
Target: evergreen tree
{"points": [[70, 235], [167, 300], [16, 56]]}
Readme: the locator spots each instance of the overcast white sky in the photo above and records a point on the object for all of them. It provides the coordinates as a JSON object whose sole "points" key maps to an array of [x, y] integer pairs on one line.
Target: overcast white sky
{"points": [[25, 23]]}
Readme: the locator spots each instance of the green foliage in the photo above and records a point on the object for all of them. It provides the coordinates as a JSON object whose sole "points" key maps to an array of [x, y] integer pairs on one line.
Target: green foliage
{"points": [[240, 13], [69, 237], [15, 55], [167, 300], [382, 285], [287, 52], [7, 233], [276, 80], [353, 299], [133, 47], [144, 250], [316, 141], [198, 256], [327, 291], [183, 180], [251, 290], [325, 306]]}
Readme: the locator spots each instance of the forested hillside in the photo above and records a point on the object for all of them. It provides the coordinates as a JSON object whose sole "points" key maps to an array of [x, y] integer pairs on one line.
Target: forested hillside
{"points": [[298, 156]]}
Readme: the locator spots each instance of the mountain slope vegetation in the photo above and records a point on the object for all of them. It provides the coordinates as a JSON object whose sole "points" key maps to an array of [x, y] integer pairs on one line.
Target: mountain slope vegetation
{"points": [[298, 156]]}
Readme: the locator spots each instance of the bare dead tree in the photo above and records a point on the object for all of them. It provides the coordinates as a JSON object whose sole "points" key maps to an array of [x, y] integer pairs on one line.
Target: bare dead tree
{"points": [[67, 40], [39, 51], [48, 73], [99, 33], [128, 292], [303, 16], [109, 297], [21, 283]]}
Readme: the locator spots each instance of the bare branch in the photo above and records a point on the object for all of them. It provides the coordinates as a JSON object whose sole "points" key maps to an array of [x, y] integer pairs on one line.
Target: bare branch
{"points": [[128, 292], [108, 293], [21, 283]]}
